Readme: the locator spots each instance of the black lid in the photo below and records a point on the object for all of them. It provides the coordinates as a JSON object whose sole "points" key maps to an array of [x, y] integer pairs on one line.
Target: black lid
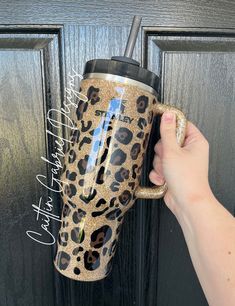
{"points": [[119, 66]]}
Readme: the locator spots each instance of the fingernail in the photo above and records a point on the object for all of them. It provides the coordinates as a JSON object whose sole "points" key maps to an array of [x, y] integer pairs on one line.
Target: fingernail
{"points": [[168, 116]]}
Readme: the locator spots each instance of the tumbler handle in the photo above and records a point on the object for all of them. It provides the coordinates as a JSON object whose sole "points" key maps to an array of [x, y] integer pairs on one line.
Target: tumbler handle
{"points": [[159, 191]]}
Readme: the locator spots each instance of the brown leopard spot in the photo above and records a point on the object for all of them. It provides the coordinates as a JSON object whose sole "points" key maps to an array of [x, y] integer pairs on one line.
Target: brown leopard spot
{"points": [[142, 103], [93, 95], [72, 156], [101, 236], [118, 157], [63, 260], [91, 260], [63, 238], [113, 214], [66, 211], [122, 174], [123, 135], [77, 234], [70, 190], [135, 150], [125, 197], [78, 216]]}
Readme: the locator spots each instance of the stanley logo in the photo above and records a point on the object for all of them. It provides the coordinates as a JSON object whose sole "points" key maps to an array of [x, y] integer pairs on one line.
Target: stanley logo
{"points": [[115, 111]]}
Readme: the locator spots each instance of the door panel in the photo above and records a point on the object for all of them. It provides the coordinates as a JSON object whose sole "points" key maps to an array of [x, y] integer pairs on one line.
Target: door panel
{"points": [[191, 45], [197, 75], [27, 274]]}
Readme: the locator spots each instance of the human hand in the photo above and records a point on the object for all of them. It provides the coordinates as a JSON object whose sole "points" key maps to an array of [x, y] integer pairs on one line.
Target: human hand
{"points": [[184, 169]]}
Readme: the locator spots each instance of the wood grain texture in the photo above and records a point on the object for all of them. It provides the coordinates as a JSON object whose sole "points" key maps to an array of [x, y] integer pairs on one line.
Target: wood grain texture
{"points": [[201, 84], [23, 262], [152, 265], [187, 13], [26, 267]]}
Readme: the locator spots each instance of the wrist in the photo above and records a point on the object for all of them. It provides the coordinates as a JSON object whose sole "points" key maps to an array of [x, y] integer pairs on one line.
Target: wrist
{"points": [[194, 203]]}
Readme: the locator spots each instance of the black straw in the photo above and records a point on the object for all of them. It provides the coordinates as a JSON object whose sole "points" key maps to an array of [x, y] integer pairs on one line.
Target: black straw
{"points": [[133, 36]]}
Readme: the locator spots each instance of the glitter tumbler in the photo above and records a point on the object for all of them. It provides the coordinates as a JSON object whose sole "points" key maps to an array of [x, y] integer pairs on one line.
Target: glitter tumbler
{"points": [[102, 168]]}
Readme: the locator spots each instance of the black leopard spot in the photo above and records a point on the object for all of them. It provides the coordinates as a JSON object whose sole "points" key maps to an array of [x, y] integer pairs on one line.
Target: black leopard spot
{"points": [[64, 168], [66, 211], [65, 224], [63, 260], [81, 108], [100, 176], [104, 251], [112, 201], [72, 204], [78, 216], [114, 186], [72, 156], [90, 195], [91, 260], [63, 238], [123, 135], [93, 95], [118, 157], [122, 174], [81, 182], [120, 218], [103, 157], [140, 135], [76, 271], [108, 141], [75, 136], [145, 142], [113, 247], [83, 141], [125, 197], [77, 234], [134, 167], [142, 103], [113, 214], [142, 123], [77, 250], [71, 176], [85, 128], [132, 185], [101, 236], [95, 131], [99, 213], [150, 117], [135, 150], [70, 190], [78, 258], [100, 202], [82, 165]]}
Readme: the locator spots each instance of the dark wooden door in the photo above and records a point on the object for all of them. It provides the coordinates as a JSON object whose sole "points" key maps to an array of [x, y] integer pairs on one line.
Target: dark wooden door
{"points": [[191, 45]]}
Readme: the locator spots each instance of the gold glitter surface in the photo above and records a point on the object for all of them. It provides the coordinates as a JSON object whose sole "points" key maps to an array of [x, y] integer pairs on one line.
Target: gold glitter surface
{"points": [[137, 108]]}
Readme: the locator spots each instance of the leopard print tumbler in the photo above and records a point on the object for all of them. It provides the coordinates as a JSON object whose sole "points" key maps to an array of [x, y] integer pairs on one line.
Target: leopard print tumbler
{"points": [[102, 171]]}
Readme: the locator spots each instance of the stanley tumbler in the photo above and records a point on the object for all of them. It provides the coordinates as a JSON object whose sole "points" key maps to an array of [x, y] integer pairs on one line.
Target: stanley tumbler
{"points": [[102, 168]]}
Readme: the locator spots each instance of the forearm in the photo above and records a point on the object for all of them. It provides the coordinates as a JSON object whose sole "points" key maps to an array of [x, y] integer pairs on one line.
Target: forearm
{"points": [[209, 230]]}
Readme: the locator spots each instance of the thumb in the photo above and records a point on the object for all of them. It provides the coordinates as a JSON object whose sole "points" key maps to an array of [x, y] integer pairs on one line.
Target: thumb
{"points": [[168, 130]]}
